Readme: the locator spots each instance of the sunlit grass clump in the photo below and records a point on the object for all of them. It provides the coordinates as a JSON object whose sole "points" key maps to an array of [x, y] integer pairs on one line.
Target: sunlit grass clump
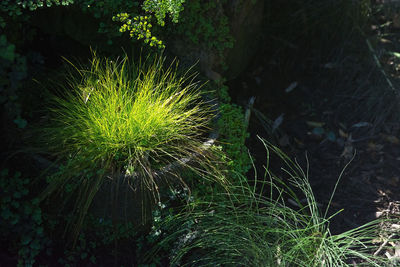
{"points": [[117, 119], [118, 114]]}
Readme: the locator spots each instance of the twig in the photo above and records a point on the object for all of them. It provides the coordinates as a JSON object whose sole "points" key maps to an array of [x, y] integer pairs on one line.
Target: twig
{"points": [[248, 111], [383, 244]]}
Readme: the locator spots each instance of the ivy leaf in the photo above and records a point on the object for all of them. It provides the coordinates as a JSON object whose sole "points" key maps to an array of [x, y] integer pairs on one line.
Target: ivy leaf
{"points": [[331, 136], [39, 230], [35, 245], [318, 131], [28, 210], [21, 123], [6, 214], [25, 240]]}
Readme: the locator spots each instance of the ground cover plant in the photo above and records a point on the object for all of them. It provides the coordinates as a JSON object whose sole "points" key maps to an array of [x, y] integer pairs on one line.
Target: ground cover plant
{"points": [[122, 121], [265, 223], [21, 220]]}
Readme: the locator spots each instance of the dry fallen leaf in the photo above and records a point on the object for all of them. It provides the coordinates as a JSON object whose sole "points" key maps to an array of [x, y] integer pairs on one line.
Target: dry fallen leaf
{"points": [[397, 251], [290, 88], [277, 122], [374, 147], [298, 142], [391, 139], [315, 124], [385, 41], [395, 226], [396, 21], [343, 134]]}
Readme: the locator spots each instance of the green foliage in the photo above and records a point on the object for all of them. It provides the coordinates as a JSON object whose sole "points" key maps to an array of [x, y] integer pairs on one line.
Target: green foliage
{"points": [[122, 119], [139, 26], [199, 22], [128, 13], [33, 5], [173, 202], [14, 8], [97, 241], [204, 22], [99, 235], [7, 49], [255, 226], [231, 148], [233, 133], [162, 7], [20, 218], [105, 11], [13, 70]]}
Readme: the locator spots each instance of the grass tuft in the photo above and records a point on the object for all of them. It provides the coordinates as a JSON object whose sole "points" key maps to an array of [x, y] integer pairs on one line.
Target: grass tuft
{"points": [[257, 226], [125, 120]]}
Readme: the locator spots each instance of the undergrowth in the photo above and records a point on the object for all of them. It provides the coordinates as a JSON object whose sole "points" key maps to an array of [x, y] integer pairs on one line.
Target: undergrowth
{"points": [[256, 226]]}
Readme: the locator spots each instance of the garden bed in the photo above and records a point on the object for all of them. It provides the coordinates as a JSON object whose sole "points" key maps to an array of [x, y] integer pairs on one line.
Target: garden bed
{"points": [[325, 93]]}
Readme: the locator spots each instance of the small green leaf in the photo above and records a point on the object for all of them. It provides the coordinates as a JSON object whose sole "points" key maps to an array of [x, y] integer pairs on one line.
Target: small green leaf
{"points": [[39, 230], [35, 201], [318, 131], [37, 216], [17, 195], [315, 124], [24, 191], [331, 136], [4, 172], [28, 210], [93, 259], [3, 40], [35, 244], [15, 204], [21, 123], [25, 240], [15, 220]]}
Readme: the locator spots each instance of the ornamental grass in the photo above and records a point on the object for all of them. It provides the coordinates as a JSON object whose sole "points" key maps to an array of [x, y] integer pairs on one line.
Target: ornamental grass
{"points": [[257, 225], [120, 120]]}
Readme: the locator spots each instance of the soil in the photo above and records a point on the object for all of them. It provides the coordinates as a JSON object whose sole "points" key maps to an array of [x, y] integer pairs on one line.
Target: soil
{"points": [[335, 114]]}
